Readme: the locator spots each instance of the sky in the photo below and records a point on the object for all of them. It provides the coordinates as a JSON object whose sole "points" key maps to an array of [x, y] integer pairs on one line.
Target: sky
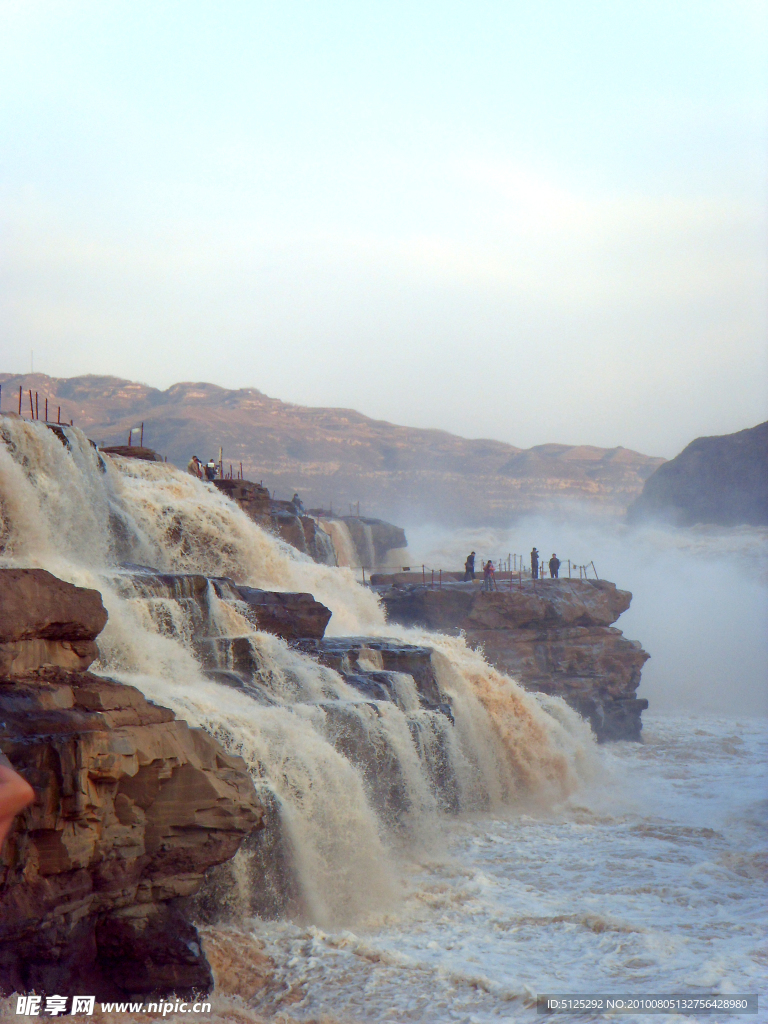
{"points": [[534, 222]]}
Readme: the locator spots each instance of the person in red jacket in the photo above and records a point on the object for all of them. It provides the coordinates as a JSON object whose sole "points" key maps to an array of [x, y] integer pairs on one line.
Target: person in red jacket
{"points": [[15, 795]]}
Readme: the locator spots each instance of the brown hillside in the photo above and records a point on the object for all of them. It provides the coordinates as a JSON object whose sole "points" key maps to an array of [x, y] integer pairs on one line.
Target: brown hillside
{"points": [[340, 456]]}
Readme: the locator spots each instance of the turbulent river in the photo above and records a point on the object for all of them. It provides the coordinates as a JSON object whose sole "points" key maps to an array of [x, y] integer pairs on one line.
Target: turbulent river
{"points": [[554, 865]]}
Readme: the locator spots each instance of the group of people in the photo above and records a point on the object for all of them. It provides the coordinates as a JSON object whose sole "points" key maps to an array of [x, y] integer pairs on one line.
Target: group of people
{"points": [[489, 573], [554, 565], [207, 471]]}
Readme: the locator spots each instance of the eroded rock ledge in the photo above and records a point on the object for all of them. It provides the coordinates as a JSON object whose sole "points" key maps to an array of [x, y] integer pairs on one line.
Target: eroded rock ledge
{"points": [[132, 807], [555, 636]]}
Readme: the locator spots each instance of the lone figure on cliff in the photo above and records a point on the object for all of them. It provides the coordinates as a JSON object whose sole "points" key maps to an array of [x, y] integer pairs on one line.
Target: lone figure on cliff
{"points": [[534, 564], [15, 794], [298, 504], [489, 578], [469, 567], [554, 566]]}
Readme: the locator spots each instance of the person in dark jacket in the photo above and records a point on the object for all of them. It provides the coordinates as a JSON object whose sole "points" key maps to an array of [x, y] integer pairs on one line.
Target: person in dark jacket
{"points": [[554, 566], [534, 564], [469, 567]]}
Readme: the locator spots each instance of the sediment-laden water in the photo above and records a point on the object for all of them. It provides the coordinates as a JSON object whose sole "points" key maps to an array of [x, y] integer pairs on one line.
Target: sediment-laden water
{"points": [[652, 879], [562, 867]]}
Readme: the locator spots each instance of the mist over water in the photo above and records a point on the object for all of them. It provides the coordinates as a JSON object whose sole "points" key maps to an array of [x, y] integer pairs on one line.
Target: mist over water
{"points": [[699, 605], [560, 867]]}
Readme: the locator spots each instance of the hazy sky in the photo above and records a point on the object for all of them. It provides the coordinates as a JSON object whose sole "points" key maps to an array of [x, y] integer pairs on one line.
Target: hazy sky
{"points": [[529, 221]]}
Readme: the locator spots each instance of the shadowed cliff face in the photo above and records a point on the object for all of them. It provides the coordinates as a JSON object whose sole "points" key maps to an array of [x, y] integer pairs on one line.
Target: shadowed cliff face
{"points": [[717, 480], [339, 456]]}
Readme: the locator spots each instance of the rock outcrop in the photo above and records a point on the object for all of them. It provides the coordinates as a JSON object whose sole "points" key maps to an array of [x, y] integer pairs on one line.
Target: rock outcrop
{"points": [[720, 480], [132, 808], [45, 621], [554, 637]]}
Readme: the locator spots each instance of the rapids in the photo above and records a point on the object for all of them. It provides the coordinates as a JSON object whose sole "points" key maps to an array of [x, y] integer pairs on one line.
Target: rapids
{"points": [[358, 784]]}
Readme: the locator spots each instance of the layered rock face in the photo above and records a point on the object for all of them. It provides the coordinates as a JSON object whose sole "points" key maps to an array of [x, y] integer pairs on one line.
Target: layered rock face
{"points": [[554, 637], [45, 621], [132, 808], [367, 541], [720, 480]]}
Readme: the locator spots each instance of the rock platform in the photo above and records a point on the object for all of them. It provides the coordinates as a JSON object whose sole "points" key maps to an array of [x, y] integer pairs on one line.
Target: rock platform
{"points": [[553, 636]]}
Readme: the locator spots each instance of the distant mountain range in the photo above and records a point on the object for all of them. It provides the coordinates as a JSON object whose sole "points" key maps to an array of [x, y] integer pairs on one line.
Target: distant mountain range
{"points": [[339, 456]]}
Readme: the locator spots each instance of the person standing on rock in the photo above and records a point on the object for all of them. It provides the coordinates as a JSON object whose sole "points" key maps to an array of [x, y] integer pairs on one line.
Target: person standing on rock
{"points": [[534, 564], [469, 567], [489, 580], [195, 467], [554, 566], [15, 795]]}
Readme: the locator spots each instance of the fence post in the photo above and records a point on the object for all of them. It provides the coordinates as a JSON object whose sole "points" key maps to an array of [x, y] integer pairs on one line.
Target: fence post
{"points": [[20, 393]]}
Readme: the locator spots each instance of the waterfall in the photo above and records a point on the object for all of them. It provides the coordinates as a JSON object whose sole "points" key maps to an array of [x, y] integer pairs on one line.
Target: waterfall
{"points": [[344, 545], [355, 779]]}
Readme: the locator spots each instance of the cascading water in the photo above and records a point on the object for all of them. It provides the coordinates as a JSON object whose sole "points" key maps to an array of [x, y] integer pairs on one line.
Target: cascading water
{"points": [[354, 778], [344, 545]]}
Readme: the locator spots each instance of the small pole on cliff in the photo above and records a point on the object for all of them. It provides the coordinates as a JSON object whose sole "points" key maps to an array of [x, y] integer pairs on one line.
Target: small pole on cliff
{"points": [[423, 576], [58, 415], [433, 579], [20, 393], [569, 568], [141, 438], [363, 568], [595, 571], [440, 583], [130, 432], [46, 410], [221, 461], [37, 406], [31, 407]]}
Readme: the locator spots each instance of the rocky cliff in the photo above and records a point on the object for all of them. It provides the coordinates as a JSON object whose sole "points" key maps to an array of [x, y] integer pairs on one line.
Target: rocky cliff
{"points": [[329, 539], [335, 457], [720, 480], [132, 808], [553, 636]]}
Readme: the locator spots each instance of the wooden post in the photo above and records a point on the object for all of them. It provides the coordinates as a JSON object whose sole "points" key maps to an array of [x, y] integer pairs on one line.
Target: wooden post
{"points": [[46, 410], [423, 575], [58, 415], [221, 462], [595, 571], [141, 440], [130, 435], [363, 568], [31, 407], [19, 401], [241, 471], [37, 406]]}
